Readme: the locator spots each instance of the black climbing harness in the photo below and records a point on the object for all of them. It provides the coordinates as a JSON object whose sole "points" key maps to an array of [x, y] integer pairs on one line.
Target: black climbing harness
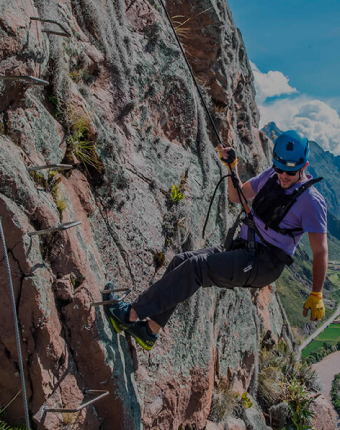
{"points": [[271, 205]]}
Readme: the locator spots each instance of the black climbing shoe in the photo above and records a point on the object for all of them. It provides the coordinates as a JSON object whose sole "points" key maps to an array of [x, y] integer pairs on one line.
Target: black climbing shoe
{"points": [[143, 335], [118, 313]]}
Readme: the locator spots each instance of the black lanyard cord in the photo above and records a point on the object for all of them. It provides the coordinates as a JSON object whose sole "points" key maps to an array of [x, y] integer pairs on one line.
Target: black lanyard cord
{"points": [[234, 178], [211, 202], [241, 196]]}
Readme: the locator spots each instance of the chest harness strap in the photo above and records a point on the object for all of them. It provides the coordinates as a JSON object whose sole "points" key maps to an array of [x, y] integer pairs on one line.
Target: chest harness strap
{"points": [[271, 205]]}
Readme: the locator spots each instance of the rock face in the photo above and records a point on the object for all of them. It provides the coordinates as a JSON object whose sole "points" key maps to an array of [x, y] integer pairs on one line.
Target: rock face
{"points": [[325, 415], [121, 107]]}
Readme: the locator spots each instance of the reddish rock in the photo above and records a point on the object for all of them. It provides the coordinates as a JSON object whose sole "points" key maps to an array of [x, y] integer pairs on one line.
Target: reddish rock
{"points": [[121, 71], [326, 417], [214, 426], [234, 424]]}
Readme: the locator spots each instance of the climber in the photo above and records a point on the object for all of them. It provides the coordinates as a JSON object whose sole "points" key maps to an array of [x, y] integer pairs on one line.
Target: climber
{"points": [[285, 206]]}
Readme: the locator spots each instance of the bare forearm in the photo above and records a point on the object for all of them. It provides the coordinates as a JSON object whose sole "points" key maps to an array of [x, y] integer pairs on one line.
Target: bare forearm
{"points": [[319, 245], [320, 262]]}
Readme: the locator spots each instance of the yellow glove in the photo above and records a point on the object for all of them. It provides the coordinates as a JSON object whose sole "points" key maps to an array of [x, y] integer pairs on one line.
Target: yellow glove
{"points": [[231, 160], [316, 305]]}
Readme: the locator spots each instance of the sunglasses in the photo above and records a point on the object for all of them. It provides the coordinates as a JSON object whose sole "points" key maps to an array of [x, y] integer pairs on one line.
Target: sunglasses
{"points": [[280, 171]]}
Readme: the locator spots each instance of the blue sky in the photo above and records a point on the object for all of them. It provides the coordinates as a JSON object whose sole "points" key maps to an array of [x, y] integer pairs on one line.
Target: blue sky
{"points": [[294, 48]]}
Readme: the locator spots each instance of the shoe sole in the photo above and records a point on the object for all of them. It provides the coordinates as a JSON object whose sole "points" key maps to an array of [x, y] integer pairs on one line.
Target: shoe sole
{"points": [[115, 323], [140, 341]]}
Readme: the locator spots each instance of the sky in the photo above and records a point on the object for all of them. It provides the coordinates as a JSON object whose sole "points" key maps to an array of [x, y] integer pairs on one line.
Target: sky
{"points": [[294, 50]]}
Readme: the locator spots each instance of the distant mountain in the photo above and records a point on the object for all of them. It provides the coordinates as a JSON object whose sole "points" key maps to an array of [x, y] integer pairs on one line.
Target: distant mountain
{"points": [[272, 130]]}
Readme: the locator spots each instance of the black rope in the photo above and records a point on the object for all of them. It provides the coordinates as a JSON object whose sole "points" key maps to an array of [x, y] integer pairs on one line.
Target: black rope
{"points": [[192, 74], [211, 202], [233, 176], [240, 194]]}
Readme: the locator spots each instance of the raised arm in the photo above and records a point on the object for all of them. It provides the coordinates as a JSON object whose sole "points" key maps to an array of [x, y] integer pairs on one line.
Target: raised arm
{"points": [[246, 187], [318, 243]]}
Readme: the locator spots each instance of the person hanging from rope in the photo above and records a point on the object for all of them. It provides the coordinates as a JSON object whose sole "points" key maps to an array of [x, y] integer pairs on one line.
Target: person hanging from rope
{"points": [[285, 206]]}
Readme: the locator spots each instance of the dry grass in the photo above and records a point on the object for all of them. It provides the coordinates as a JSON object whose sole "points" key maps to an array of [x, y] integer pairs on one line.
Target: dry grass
{"points": [[80, 142], [184, 28], [224, 403], [270, 387]]}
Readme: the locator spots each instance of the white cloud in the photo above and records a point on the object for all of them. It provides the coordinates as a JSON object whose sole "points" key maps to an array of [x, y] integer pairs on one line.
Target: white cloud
{"points": [[314, 118], [270, 84], [321, 123]]}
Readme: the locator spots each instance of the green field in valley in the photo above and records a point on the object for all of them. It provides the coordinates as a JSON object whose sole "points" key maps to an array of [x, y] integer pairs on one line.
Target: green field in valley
{"points": [[331, 333]]}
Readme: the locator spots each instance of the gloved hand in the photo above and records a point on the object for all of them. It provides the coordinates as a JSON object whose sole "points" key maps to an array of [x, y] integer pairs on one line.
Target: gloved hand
{"points": [[316, 305], [228, 156]]}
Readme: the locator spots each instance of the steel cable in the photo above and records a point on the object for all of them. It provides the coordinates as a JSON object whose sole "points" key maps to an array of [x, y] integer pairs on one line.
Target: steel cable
{"points": [[240, 193], [16, 326], [191, 72]]}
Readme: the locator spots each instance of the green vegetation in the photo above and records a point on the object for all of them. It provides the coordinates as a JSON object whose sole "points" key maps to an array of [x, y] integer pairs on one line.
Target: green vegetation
{"points": [[57, 111], [326, 343], [80, 143], [332, 332], [283, 379], [40, 180], [159, 260], [54, 182], [51, 184], [176, 195], [227, 402], [299, 401], [292, 298], [335, 392], [3, 424], [77, 75], [245, 400], [295, 284]]}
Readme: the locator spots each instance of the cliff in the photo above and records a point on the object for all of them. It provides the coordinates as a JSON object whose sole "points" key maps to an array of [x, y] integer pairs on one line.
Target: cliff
{"points": [[122, 109]]}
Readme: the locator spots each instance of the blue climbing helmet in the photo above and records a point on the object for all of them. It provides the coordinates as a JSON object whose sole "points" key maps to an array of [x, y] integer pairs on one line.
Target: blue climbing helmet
{"points": [[291, 150]]}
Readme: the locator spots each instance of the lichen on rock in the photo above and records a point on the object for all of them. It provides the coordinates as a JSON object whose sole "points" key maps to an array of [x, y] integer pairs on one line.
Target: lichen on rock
{"points": [[123, 72]]}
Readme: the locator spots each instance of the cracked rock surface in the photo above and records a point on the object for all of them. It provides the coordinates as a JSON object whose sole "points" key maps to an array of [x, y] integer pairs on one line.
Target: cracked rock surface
{"points": [[120, 86]]}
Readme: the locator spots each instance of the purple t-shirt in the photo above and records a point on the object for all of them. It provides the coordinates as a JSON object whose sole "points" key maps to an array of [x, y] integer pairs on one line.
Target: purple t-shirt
{"points": [[309, 212]]}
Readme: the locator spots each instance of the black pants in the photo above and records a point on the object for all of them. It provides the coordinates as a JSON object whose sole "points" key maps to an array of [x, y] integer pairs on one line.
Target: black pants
{"points": [[189, 271]]}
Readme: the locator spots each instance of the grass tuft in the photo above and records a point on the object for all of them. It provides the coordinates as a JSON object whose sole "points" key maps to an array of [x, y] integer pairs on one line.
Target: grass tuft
{"points": [[80, 142]]}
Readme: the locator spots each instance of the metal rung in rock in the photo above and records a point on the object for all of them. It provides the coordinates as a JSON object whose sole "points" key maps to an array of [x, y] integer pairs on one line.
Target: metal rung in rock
{"points": [[109, 302], [29, 79], [51, 166], [65, 33], [103, 394], [63, 226]]}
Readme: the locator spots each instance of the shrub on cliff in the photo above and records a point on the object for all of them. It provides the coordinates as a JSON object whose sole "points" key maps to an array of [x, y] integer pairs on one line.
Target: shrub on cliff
{"points": [[4, 426], [282, 378], [226, 402], [335, 392]]}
